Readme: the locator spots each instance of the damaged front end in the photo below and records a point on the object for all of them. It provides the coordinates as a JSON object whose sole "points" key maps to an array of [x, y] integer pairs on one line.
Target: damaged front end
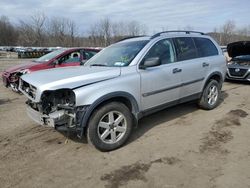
{"points": [[57, 109], [11, 80]]}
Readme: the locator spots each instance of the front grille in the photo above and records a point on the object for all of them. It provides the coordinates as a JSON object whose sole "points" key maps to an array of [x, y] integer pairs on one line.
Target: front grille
{"points": [[238, 72], [28, 89]]}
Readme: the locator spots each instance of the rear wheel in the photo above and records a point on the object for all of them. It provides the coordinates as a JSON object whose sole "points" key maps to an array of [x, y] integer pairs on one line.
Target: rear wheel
{"points": [[110, 126], [210, 96]]}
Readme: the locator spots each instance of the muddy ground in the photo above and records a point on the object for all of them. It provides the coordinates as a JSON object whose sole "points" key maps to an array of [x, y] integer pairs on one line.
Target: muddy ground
{"points": [[179, 147]]}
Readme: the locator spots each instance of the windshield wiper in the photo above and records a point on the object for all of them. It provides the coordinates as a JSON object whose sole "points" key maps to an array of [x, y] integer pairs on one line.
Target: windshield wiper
{"points": [[101, 65]]}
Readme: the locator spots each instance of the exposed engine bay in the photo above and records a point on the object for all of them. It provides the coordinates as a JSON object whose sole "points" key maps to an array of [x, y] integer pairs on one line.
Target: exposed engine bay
{"points": [[56, 108], [52, 100]]}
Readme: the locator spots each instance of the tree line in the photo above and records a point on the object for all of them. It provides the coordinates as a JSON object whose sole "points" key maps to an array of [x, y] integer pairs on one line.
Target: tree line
{"points": [[42, 31], [229, 32]]}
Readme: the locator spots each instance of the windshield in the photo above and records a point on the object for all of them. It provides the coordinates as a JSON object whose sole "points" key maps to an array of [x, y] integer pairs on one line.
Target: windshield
{"points": [[117, 55], [50, 55]]}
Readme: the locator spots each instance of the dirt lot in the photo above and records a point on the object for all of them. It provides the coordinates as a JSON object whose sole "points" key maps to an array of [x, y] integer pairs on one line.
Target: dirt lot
{"points": [[179, 147]]}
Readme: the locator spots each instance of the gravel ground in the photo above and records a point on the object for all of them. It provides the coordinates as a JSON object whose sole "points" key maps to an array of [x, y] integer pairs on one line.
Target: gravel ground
{"points": [[178, 147]]}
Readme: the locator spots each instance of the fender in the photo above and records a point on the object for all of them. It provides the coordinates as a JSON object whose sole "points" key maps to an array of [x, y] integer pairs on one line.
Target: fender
{"points": [[92, 107], [216, 73]]}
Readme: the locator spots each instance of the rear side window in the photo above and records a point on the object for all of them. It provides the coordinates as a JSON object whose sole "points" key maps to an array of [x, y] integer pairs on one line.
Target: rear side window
{"points": [[185, 48], [205, 47]]}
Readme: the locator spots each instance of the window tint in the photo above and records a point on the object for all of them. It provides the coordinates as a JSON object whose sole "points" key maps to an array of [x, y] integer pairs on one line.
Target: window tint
{"points": [[185, 48], [205, 47], [162, 49]]}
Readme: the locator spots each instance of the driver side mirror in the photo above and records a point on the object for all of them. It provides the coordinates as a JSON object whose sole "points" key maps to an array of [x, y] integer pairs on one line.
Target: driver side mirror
{"points": [[150, 62]]}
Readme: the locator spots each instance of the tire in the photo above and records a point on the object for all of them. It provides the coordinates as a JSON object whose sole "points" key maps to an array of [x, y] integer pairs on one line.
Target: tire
{"points": [[109, 126], [210, 96]]}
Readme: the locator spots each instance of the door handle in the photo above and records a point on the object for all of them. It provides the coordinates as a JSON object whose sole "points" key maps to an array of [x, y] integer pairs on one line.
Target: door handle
{"points": [[205, 64], [176, 70]]}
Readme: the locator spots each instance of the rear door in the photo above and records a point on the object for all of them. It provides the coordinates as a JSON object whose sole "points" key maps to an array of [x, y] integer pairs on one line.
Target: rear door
{"points": [[160, 85], [193, 68]]}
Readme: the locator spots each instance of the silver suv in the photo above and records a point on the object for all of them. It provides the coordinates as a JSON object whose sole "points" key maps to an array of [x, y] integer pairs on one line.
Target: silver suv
{"points": [[107, 96]]}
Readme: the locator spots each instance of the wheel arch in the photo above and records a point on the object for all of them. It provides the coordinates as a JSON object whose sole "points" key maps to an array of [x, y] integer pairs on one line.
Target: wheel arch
{"points": [[119, 96], [215, 76]]}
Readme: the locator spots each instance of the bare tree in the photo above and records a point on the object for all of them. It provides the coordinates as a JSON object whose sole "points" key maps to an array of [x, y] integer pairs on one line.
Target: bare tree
{"points": [[38, 25], [228, 30], [135, 29], [72, 30], [27, 35], [8, 33], [32, 31], [105, 26], [93, 34], [106, 32], [62, 32]]}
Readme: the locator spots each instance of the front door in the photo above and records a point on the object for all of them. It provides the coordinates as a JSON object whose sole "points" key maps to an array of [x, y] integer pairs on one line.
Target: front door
{"points": [[160, 85]]}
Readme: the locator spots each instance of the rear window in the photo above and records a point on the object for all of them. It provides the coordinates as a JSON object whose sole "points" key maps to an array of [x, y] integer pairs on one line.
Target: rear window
{"points": [[205, 47], [185, 48]]}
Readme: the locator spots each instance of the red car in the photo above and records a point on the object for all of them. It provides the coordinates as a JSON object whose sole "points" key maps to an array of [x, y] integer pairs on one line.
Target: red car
{"points": [[59, 58]]}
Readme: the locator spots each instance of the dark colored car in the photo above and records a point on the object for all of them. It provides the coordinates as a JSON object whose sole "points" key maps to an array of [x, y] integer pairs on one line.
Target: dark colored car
{"points": [[59, 58], [239, 66]]}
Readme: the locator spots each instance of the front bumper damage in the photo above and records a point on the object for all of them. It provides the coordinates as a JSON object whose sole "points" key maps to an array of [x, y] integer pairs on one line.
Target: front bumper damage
{"points": [[11, 80], [51, 120], [5, 78], [65, 118]]}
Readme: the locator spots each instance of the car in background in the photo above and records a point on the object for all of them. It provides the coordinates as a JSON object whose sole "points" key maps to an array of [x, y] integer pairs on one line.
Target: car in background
{"points": [[239, 66], [59, 58]]}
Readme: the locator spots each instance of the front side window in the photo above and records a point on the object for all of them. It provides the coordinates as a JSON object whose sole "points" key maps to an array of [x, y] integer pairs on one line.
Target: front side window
{"points": [[185, 48], [205, 47], [163, 50], [117, 55], [70, 58]]}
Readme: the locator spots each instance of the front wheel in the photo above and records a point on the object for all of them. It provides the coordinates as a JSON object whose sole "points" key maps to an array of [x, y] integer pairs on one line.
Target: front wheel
{"points": [[110, 126], [210, 96]]}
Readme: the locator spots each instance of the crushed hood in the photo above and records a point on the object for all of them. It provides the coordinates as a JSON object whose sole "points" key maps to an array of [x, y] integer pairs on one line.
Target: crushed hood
{"points": [[69, 77], [238, 48]]}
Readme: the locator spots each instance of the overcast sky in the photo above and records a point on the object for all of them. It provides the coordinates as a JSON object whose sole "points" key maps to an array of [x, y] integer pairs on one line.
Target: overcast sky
{"points": [[155, 14]]}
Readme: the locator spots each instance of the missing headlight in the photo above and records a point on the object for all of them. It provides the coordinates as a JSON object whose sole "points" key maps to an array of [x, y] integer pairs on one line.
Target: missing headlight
{"points": [[52, 100]]}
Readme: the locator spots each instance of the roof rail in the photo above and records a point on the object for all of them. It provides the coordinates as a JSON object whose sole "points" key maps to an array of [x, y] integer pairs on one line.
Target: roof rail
{"points": [[130, 37], [175, 31]]}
